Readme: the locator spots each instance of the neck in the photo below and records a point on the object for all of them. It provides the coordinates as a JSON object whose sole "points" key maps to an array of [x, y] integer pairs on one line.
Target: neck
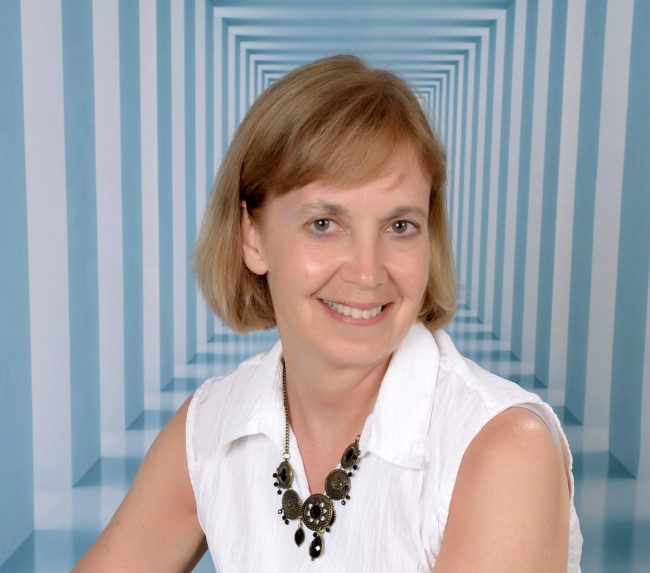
{"points": [[329, 403]]}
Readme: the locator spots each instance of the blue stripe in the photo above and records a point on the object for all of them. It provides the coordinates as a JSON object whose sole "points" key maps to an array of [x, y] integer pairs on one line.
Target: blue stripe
{"points": [[523, 185], [83, 282], [503, 172], [583, 225], [473, 166], [131, 209], [16, 447], [630, 333], [487, 163], [462, 160], [549, 198]]}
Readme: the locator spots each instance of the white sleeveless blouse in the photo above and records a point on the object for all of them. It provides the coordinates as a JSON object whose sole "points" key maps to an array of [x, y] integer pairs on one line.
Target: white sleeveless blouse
{"points": [[431, 404]]}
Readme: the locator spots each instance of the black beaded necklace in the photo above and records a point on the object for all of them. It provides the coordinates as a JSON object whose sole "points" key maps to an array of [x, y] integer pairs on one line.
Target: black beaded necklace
{"points": [[317, 512]]}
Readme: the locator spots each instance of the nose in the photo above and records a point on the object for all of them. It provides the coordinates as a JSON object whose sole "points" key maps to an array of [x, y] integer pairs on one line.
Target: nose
{"points": [[364, 265]]}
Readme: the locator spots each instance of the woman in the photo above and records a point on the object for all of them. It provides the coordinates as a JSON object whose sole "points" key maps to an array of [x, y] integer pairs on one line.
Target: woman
{"points": [[362, 440]]}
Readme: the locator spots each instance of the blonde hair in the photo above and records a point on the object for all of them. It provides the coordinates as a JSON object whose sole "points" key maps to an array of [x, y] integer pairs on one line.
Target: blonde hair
{"points": [[334, 119]]}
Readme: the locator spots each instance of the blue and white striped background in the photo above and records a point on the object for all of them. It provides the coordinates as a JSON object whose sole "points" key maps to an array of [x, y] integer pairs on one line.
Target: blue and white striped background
{"points": [[114, 116]]}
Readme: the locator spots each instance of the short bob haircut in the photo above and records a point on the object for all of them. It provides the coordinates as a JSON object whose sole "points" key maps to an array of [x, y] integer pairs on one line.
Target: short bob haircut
{"points": [[336, 120]]}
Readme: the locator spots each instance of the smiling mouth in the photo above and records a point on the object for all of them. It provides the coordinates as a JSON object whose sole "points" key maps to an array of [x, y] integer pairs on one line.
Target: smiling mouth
{"points": [[353, 312]]}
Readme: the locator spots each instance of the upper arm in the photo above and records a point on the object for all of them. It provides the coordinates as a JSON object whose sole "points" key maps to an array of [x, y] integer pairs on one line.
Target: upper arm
{"points": [[155, 528], [509, 509]]}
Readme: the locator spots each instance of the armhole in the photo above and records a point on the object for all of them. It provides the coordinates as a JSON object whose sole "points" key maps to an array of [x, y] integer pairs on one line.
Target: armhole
{"points": [[189, 434], [550, 419], [546, 413]]}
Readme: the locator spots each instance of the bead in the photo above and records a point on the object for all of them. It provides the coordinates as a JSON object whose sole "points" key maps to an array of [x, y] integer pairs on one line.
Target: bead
{"points": [[349, 474], [315, 511], [275, 475], [279, 492], [299, 536], [355, 467], [316, 547], [343, 502]]}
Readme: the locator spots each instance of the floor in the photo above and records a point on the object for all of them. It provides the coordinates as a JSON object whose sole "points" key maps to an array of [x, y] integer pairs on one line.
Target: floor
{"points": [[612, 506]]}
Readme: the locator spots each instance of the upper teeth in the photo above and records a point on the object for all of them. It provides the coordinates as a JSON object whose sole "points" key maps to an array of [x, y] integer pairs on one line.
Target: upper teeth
{"points": [[351, 311]]}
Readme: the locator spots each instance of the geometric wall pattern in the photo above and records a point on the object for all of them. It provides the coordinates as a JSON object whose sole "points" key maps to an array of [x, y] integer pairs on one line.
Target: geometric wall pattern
{"points": [[114, 116]]}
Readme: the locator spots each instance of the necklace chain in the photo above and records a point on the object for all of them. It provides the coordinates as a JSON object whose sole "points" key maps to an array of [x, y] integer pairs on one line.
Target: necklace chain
{"points": [[317, 512], [287, 454]]}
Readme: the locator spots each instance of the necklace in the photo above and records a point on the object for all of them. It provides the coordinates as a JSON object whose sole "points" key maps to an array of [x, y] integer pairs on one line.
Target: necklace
{"points": [[317, 512]]}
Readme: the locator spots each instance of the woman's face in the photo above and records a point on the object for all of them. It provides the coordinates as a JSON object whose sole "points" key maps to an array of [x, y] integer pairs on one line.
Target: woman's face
{"points": [[362, 245]]}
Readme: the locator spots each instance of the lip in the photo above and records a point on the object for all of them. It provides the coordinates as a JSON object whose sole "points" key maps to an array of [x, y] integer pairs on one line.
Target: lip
{"points": [[360, 306], [357, 321]]}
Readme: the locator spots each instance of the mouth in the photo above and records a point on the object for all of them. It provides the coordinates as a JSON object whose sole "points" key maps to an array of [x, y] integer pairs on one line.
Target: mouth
{"points": [[356, 316]]}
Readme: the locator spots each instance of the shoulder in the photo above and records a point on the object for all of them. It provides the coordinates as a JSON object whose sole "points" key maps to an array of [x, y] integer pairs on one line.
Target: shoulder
{"points": [[215, 391], [213, 403], [510, 502], [515, 434], [466, 398]]}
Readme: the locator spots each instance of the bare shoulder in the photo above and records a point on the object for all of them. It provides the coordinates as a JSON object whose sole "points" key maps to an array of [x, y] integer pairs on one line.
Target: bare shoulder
{"points": [[509, 509], [155, 528]]}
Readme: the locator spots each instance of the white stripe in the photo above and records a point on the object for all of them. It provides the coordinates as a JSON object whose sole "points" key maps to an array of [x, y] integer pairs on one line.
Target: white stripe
{"points": [[149, 185], [106, 64], [570, 130], [437, 108], [644, 462], [48, 252], [536, 182], [609, 183], [178, 180], [457, 130]]}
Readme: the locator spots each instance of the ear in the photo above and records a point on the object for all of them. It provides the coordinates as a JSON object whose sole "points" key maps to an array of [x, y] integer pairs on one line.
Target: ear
{"points": [[251, 243]]}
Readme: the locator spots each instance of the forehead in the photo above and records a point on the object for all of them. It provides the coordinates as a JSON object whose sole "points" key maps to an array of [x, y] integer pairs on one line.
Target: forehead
{"points": [[402, 180]]}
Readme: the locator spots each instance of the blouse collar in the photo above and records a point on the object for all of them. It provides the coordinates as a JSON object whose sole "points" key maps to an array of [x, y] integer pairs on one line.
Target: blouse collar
{"points": [[399, 423]]}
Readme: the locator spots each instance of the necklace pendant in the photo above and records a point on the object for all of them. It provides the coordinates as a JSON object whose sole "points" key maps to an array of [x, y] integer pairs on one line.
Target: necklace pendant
{"points": [[299, 536], [337, 484], [316, 547], [350, 455], [317, 512], [291, 504], [284, 475]]}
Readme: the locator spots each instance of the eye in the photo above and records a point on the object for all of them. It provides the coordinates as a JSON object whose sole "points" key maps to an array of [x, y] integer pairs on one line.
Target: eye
{"points": [[404, 222], [321, 227]]}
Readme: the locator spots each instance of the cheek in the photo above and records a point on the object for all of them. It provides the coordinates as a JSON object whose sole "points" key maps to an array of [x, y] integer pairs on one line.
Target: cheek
{"points": [[307, 263], [411, 265]]}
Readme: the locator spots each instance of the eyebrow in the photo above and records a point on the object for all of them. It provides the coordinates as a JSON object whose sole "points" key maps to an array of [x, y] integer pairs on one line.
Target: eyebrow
{"points": [[336, 209]]}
